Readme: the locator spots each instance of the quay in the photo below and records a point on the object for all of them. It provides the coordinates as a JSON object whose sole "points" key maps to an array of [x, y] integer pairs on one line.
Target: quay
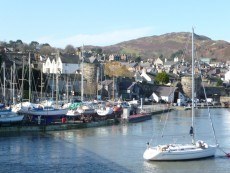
{"points": [[54, 127], [70, 124]]}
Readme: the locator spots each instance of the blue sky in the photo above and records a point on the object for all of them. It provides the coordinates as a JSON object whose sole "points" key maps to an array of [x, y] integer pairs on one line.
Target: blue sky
{"points": [[107, 22]]}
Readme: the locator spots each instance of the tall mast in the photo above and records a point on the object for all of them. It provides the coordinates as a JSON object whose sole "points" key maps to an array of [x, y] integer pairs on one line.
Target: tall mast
{"points": [[67, 88], [57, 73], [193, 87], [82, 72], [23, 71], [29, 78], [4, 81], [98, 68], [13, 82], [41, 84]]}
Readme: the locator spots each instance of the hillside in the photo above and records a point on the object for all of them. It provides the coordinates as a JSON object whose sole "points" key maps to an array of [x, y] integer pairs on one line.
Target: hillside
{"points": [[171, 43]]}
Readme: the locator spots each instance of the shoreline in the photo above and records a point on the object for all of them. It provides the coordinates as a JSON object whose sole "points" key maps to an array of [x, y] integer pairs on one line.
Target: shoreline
{"points": [[71, 125]]}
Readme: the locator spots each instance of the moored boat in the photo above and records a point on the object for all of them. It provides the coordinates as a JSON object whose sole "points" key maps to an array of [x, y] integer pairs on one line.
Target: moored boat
{"points": [[10, 117], [196, 149], [139, 117]]}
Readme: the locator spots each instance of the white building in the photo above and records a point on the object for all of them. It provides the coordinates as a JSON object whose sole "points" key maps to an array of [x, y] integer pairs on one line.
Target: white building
{"points": [[227, 76], [62, 63]]}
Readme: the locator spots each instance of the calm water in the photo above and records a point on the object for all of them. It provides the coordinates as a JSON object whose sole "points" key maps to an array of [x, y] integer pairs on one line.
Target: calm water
{"points": [[115, 148]]}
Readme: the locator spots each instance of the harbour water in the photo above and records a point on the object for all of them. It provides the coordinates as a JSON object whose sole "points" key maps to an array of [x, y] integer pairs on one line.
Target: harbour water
{"points": [[116, 148]]}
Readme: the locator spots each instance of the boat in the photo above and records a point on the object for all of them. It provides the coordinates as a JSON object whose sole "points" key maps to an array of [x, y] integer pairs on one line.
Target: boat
{"points": [[10, 117], [82, 108], [72, 110], [104, 109], [4, 109], [139, 117], [188, 107], [46, 111], [177, 151], [86, 109]]}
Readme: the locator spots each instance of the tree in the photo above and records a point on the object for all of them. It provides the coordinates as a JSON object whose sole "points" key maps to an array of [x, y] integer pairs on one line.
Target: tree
{"points": [[33, 45], [219, 82], [162, 78], [161, 56], [177, 54], [69, 49], [115, 69], [138, 59], [46, 49]]}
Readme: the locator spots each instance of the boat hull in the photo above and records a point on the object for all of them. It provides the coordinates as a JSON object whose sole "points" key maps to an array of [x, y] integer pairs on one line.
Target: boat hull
{"points": [[55, 112], [5, 111], [104, 112], [188, 152], [9, 118], [139, 118]]}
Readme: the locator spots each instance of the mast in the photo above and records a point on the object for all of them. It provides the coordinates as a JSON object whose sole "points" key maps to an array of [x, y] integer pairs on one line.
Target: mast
{"points": [[13, 82], [41, 84], [52, 94], [67, 88], [57, 87], [23, 71], [82, 71], [98, 68], [29, 78], [4, 81], [193, 90]]}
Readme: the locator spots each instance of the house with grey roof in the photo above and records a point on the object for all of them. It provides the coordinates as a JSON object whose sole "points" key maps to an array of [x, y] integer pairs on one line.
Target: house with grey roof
{"points": [[168, 66], [166, 93]]}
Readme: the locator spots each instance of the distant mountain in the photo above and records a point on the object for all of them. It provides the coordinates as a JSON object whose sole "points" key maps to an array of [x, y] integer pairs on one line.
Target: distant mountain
{"points": [[172, 44]]}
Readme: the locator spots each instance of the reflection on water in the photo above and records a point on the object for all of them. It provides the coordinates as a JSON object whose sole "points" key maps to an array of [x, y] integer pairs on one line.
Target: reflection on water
{"points": [[114, 148]]}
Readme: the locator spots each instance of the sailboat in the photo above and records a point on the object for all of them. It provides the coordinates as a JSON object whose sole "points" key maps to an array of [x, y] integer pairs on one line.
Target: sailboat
{"points": [[6, 114], [191, 151]]}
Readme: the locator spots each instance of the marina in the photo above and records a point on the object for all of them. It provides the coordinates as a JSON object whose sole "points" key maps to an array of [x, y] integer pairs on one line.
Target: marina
{"points": [[116, 148], [39, 123], [125, 88]]}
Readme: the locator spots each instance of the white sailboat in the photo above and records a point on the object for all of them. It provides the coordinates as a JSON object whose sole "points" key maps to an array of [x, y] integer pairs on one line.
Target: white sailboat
{"points": [[191, 151], [6, 114]]}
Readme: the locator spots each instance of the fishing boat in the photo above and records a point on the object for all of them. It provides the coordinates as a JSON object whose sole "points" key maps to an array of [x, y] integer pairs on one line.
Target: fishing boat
{"points": [[179, 151]]}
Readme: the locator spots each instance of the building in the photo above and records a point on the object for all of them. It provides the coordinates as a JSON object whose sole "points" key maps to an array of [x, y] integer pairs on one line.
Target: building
{"points": [[62, 64]]}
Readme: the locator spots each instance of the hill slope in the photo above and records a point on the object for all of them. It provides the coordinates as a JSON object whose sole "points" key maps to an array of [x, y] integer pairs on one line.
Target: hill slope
{"points": [[168, 44]]}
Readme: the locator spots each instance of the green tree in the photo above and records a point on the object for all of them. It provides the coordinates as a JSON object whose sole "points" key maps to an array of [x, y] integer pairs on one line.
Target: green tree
{"points": [[33, 45], [97, 51], [69, 49], [162, 78], [219, 82], [179, 53], [161, 56], [138, 59]]}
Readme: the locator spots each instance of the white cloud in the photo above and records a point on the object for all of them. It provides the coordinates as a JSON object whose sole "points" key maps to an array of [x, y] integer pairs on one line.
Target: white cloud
{"points": [[102, 39]]}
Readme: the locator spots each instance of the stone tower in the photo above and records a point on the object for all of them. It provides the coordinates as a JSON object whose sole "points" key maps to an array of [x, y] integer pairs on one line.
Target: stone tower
{"points": [[186, 83], [90, 76]]}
